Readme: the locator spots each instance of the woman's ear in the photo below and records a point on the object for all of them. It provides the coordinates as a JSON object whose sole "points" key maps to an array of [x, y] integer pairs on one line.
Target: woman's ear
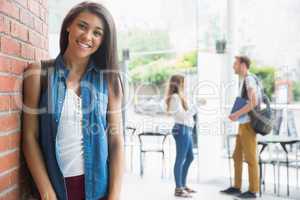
{"points": [[68, 29]]}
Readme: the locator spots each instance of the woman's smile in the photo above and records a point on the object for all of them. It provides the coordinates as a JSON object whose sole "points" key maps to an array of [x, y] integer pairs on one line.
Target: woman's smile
{"points": [[83, 45]]}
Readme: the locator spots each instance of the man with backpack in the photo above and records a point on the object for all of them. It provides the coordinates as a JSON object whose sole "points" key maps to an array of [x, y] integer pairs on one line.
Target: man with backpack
{"points": [[246, 145]]}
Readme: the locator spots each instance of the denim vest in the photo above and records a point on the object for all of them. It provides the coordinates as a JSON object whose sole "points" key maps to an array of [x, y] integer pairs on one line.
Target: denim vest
{"points": [[94, 94]]}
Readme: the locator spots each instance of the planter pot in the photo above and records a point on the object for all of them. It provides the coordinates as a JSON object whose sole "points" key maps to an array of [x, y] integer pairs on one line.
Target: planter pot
{"points": [[220, 46]]}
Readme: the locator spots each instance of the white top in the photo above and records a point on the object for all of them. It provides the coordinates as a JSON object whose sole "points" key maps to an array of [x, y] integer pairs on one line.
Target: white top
{"points": [[70, 136], [250, 83], [180, 115]]}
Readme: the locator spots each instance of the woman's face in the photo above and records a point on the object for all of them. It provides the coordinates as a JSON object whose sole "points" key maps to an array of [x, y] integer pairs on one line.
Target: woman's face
{"points": [[86, 34]]}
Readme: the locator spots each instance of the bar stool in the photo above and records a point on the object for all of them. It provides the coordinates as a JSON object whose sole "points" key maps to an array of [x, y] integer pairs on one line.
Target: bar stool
{"points": [[129, 134], [152, 148]]}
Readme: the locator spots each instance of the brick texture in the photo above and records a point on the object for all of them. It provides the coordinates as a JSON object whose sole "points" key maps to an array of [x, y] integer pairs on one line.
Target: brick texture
{"points": [[23, 39], [10, 46], [4, 25], [8, 7], [19, 31]]}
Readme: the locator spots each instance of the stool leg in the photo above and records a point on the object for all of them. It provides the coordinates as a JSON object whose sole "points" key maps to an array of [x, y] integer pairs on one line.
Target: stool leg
{"points": [[131, 154], [297, 174], [278, 179], [260, 177], [141, 164], [288, 179], [274, 175], [198, 166], [163, 165], [264, 179]]}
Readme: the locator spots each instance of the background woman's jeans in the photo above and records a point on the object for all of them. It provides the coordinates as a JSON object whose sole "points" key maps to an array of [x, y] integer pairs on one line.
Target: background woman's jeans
{"points": [[184, 153]]}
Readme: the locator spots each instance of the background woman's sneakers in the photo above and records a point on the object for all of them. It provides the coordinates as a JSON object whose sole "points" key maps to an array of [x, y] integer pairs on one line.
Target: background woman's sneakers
{"points": [[231, 191], [180, 192], [189, 190]]}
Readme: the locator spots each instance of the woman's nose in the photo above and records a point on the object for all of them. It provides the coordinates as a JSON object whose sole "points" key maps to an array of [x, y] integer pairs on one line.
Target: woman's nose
{"points": [[88, 35]]}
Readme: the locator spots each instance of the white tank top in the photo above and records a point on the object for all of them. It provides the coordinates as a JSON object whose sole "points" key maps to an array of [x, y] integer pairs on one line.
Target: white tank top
{"points": [[70, 136]]}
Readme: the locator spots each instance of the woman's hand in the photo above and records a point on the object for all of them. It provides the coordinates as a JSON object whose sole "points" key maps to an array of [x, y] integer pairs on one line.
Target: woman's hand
{"points": [[48, 195]]}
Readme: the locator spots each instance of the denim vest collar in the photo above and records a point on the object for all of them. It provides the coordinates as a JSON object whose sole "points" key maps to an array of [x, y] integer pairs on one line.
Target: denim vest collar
{"points": [[64, 71]]}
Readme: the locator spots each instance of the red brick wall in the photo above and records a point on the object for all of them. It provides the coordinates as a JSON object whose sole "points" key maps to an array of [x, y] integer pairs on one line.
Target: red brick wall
{"points": [[23, 38]]}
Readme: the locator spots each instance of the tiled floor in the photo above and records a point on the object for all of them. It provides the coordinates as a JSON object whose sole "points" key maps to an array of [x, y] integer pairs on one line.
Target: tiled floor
{"points": [[148, 188], [208, 173], [208, 176]]}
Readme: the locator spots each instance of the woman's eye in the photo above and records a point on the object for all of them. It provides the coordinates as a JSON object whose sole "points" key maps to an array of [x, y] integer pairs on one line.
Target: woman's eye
{"points": [[81, 26], [97, 33]]}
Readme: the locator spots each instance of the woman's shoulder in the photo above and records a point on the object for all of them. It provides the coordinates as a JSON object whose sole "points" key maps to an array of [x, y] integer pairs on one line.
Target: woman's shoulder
{"points": [[32, 73], [32, 70], [31, 84], [37, 66], [33, 66]]}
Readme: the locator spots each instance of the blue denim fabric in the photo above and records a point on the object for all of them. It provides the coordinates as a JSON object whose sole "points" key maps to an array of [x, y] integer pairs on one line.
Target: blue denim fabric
{"points": [[94, 94], [184, 153]]}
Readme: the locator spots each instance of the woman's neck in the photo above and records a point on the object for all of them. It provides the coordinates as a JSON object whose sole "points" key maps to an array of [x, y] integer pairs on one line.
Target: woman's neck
{"points": [[75, 64]]}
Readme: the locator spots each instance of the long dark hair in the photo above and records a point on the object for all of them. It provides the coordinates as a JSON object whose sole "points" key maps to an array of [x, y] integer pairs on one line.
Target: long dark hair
{"points": [[176, 86], [106, 57]]}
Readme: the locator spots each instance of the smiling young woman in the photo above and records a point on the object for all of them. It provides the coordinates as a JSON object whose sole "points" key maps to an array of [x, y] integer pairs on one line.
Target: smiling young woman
{"points": [[74, 150]]}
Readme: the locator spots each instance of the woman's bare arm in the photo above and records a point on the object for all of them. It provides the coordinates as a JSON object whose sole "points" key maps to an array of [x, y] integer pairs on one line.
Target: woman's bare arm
{"points": [[30, 144], [116, 146]]}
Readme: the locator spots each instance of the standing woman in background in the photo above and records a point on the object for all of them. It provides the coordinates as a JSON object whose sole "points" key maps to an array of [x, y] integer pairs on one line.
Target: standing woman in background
{"points": [[72, 128], [182, 132]]}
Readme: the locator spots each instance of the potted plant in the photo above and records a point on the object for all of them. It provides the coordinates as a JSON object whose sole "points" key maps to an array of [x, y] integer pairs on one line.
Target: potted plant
{"points": [[221, 46]]}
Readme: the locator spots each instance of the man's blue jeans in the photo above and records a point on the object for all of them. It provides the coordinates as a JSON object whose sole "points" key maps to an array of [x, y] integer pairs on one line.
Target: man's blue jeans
{"points": [[184, 153]]}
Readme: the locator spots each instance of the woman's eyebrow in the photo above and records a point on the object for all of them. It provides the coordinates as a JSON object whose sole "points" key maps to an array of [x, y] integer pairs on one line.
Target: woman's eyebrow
{"points": [[84, 22]]}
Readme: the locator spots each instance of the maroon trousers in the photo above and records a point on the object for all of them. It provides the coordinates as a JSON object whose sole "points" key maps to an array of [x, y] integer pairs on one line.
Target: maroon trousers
{"points": [[75, 188]]}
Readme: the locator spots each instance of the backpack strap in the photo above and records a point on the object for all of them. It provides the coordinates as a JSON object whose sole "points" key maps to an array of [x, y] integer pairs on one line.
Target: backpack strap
{"points": [[263, 95], [244, 93], [264, 98], [45, 66], [260, 88]]}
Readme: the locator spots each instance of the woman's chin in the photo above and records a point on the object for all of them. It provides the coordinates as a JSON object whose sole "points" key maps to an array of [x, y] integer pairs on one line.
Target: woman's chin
{"points": [[82, 54]]}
